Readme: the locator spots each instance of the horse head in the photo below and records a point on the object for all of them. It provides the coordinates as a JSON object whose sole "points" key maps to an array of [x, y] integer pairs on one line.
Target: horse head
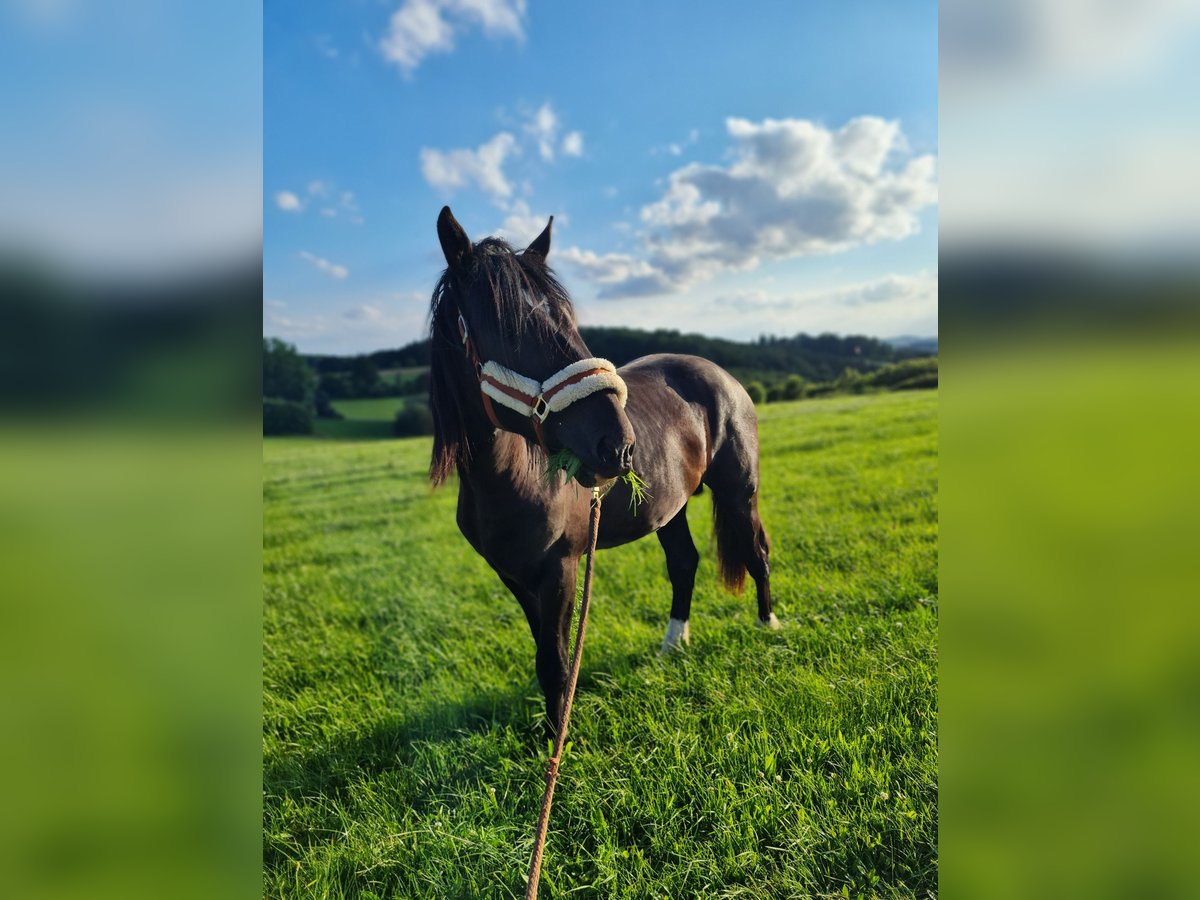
{"points": [[506, 347]]}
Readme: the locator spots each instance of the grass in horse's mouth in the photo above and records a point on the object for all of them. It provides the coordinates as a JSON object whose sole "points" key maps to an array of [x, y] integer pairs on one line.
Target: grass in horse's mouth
{"points": [[565, 461]]}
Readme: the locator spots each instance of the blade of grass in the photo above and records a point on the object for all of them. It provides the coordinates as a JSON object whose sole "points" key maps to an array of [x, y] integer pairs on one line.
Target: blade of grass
{"points": [[565, 461]]}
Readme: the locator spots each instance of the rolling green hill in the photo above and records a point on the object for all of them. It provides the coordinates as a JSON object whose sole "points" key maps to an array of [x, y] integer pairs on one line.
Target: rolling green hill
{"points": [[401, 738]]}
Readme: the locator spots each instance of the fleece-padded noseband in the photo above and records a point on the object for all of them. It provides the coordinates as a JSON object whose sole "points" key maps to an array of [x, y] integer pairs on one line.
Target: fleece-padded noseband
{"points": [[537, 399]]}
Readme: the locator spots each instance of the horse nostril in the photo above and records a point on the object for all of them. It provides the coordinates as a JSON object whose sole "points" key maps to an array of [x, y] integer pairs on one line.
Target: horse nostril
{"points": [[620, 455]]}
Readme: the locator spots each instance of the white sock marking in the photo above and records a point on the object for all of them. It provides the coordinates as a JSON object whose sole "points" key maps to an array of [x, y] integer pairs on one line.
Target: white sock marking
{"points": [[773, 623], [678, 633]]}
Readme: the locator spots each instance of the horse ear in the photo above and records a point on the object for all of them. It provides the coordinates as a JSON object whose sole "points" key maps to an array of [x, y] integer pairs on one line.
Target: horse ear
{"points": [[455, 243], [541, 244]]}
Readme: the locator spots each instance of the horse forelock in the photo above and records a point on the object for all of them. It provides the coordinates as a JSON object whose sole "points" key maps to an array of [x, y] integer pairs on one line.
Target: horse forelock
{"points": [[503, 295]]}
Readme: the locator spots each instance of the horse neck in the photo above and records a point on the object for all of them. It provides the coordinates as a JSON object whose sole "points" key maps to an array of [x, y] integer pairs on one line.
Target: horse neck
{"points": [[502, 464], [499, 461]]}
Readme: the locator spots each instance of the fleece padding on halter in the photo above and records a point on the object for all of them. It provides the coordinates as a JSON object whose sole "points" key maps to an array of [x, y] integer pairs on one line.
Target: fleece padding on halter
{"points": [[563, 388], [537, 400], [494, 378]]}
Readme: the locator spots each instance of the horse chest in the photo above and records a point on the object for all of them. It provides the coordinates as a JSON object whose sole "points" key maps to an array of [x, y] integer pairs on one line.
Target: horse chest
{"points": [[511, 536]]}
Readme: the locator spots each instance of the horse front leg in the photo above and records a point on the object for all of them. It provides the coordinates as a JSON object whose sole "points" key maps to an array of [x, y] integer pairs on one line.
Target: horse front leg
{"points": [[529, 604], [557, 601]]}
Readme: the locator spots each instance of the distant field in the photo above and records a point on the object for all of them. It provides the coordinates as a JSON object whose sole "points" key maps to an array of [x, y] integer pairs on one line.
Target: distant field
{"points": [[363, 418], [401, 712]]}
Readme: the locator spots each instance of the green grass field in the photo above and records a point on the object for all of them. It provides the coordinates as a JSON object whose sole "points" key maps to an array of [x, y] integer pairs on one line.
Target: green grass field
{"points": [[402, 740], [363, 418]]}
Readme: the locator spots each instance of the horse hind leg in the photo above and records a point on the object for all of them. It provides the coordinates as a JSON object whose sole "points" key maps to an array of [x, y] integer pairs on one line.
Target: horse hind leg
{"points": [[743, 546], [759, 566], [682, 562]]}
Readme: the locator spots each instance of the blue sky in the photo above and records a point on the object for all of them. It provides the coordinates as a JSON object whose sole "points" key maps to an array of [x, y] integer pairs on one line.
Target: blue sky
{"points": [[731, 169]]}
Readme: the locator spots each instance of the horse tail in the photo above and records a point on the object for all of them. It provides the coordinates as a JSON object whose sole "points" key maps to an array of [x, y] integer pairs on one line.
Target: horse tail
{"points": [[729, 530]]}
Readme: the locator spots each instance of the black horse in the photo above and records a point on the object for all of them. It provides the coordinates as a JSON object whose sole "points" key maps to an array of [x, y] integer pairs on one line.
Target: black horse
{"points": [[693, 422]]}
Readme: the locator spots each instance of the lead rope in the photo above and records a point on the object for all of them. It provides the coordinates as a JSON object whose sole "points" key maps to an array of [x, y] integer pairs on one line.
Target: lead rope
{"points": [[543, 823]]}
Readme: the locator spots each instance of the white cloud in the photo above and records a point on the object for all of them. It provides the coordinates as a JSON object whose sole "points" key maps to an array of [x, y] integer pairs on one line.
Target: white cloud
{"points": [[890, 305], [634, 277], [345, 204], [675, 148], [421, 27], [794, 188], [521, 225], [336, 202], [373, 322], [364, 312], [326, 48], [333, 270], [483, 166], [288, 202], [894, 304], [294, 328], [543, 127], [572, 144], [920, 288]]}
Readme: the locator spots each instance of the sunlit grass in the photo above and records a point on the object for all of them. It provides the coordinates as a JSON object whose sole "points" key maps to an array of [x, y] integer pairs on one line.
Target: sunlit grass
{"points": [[402, 740]]}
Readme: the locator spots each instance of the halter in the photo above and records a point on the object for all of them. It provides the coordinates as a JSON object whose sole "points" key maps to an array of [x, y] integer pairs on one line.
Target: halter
{"points": [[537, 399]]}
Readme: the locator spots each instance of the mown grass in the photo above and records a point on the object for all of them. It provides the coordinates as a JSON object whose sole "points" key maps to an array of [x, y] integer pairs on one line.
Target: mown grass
{"points": [[364, 419], [402, 745]]}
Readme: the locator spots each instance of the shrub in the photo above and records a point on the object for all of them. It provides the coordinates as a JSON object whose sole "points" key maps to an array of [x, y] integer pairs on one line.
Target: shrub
{"points": [[286, 417], [919, 370], [793, 388], [336, 386], [926, 380], [325, 408], [413, 419], [775, 393], [758, 393], [285, 373], [850, 381]]}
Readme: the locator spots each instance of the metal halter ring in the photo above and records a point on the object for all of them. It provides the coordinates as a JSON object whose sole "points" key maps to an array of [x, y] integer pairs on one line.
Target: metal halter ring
{"points": [[540, 408], [462, 328]]}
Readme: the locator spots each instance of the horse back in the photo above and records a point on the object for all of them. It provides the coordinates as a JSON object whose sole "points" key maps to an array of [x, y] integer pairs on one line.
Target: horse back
{"points": [[684, 410]]}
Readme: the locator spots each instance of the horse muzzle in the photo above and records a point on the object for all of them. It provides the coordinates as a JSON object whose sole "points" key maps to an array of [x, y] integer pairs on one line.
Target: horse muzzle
{"points": [[614, 458]]}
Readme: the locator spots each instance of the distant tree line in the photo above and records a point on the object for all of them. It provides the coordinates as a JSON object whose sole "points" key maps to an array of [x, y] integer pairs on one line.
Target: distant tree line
{"points": [[908, 374], [771, 368], [821, 357], [814, 358]]}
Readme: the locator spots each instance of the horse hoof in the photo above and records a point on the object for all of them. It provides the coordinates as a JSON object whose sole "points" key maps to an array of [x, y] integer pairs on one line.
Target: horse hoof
{"points": [[772, 623], [678, 634]]}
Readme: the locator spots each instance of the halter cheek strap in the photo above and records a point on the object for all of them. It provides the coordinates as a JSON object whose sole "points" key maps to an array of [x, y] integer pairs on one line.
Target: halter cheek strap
{"points": [[537, 399]]}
